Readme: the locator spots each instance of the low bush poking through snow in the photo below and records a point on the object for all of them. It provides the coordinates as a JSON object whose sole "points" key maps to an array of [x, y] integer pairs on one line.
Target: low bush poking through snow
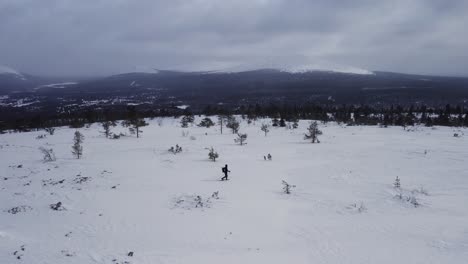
{"points": [[421, 190], [357, 208], [81, 179], [52, 182], [189, 202], [175, 150], [19, 209], [57, 207], [206, 122], [241, 138], [48, 154], [41, 136], [287, 187], [50, 130], [410, 198]]}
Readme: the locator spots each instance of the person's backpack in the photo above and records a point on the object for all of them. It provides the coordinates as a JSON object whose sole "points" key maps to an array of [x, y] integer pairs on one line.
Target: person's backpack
{"points": [[223, 169]]}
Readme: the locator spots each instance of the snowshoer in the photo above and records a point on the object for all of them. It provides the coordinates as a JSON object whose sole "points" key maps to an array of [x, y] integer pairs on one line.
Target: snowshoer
{"points": [[225, 171]]}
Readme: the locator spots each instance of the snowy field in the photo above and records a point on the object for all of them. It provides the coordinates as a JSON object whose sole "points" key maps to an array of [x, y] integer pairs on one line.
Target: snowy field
{"points": [[132, 195]]}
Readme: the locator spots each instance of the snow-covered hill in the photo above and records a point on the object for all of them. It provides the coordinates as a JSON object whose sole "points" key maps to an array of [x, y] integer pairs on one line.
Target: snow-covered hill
{"points": [[132, 195], [4, 70], [315, 68], [294, 68]]}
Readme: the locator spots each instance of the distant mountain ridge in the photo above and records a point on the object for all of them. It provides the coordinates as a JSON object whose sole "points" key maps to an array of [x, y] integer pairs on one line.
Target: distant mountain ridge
{"points": [[292, 84]]}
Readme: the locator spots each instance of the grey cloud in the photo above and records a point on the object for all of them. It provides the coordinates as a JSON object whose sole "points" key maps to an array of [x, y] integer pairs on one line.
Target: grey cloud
{"points": [[87, 37]]}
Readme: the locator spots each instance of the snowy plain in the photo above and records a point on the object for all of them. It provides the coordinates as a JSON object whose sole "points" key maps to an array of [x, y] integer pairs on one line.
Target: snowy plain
{"points": [[132, 195]]}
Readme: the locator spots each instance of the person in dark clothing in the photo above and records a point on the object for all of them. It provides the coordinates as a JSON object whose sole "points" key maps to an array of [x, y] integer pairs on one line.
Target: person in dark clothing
{"points": [[225, 171]]}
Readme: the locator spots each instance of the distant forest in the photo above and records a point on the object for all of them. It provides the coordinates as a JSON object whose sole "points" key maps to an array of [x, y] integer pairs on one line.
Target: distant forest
{"points": [[455, 116]]}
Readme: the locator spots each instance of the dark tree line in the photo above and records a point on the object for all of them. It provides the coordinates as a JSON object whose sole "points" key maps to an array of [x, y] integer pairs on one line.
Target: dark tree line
{"points": [[281, 114]]}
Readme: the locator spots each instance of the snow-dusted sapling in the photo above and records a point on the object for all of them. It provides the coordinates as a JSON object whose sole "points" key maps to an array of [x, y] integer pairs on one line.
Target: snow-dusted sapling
{"points": [[265, 129], [313, 132], [233, 124], [221, 122], [397, 184], [213, 155], [106, 125], [77, 148], [287, 187], [206, 122], [241, 138], [48, 154]]}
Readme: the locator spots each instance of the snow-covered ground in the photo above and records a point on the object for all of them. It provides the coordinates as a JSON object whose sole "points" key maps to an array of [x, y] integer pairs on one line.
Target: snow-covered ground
{"points": [[132, 195]]}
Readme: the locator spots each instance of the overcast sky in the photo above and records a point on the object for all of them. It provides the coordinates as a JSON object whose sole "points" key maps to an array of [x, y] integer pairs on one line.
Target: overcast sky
{"points": [[89, 37]]}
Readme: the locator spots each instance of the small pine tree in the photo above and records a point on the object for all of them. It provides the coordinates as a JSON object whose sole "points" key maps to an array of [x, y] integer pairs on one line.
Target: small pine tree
{"points": [[282, 122], [397, 184], [106, 125], [313, 132], [213, 155], [241, 138], [134, 125], [295, 123], [77, 148], [233, 124], [265, 129], [275, 122], [134, 122], [186, 119], [206, 122]]}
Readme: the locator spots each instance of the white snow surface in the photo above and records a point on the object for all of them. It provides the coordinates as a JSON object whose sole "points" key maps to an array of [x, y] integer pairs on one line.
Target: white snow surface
{"points": [[152, 209]]}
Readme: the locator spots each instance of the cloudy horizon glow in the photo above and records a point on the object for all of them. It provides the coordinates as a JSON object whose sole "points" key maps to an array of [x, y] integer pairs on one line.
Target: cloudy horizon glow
{"points": [[100, 37]]}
